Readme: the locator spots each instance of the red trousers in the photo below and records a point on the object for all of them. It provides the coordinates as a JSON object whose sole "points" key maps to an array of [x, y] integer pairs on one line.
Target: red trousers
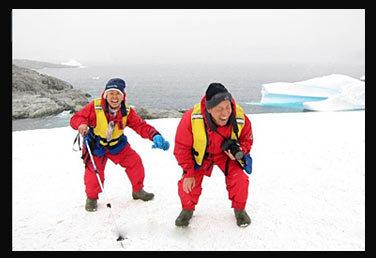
{"points": [[127, 158], [236, 184]]}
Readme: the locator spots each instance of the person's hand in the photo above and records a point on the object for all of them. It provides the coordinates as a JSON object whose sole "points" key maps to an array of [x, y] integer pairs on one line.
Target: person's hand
{"points": [[188, 184], [82, 129], [230, 155], [160, 143]]}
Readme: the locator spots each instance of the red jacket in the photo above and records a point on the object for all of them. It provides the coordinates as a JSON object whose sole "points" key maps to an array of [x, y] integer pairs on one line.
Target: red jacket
{"points": [[184, 140], [87, 116]]}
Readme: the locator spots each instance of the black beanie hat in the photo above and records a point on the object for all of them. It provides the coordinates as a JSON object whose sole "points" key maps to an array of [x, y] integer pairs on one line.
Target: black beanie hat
{"points": [[115, 84], [215, 94]]}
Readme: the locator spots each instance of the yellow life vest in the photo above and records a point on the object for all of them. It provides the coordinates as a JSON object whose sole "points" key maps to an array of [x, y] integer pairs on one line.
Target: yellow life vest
{"points": [[102, 125], [199, 131]]}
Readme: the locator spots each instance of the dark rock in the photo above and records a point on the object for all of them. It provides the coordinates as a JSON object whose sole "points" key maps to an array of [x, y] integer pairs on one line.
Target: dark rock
{"points": [[151, 113], [155, 113], [38, 95]]}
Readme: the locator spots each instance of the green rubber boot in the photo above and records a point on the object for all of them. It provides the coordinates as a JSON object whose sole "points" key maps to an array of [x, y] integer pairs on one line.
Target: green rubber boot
{"points": [[91, 204], [142, 195], [242, 218], [183, 219]]}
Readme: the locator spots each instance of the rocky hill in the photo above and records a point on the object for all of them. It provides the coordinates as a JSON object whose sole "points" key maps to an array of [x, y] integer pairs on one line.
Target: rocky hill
{"points": [[152, 113], [38, 95]]}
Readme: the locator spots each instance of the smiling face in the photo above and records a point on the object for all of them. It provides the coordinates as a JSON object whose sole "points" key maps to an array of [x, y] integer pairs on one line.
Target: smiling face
{"points": [[114, 98], [221, 112]]}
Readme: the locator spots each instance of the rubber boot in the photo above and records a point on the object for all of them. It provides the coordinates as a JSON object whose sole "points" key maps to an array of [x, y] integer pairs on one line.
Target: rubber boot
{"points": [[183, 219], [91, 204], [242, 218], [145, 196]]}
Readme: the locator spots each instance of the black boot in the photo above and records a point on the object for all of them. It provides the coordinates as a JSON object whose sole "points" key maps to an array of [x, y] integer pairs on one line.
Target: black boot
{"points": [[183, 219], [145, 196], [91, 204], [242, 218]]}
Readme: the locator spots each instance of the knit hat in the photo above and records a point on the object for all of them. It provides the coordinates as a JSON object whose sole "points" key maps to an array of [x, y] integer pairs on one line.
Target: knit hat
{"points": [[215, 94], [115, 84]]}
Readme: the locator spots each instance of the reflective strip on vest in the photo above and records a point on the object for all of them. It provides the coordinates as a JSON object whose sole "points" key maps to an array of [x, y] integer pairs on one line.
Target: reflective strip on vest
{"points": [[102, 124], [199, 132]]}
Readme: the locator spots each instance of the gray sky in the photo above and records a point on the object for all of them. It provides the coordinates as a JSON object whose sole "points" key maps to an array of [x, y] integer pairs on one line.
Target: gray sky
{"points": [[178, 36]]}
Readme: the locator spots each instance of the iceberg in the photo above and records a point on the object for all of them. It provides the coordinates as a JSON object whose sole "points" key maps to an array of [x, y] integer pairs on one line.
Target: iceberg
{"points": [[73, 62], [333, 92]]}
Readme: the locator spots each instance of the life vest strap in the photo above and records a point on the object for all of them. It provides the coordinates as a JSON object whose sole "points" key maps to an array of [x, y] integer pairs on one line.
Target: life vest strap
{"points": [[105, 143]]}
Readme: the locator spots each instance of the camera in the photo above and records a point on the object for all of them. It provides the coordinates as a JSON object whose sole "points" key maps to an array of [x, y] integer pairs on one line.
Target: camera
{"points": [[233, 147]]}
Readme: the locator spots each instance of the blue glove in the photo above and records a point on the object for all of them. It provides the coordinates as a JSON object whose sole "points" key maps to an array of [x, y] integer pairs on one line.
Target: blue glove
{"points": [[160, 142], [248, 164]]}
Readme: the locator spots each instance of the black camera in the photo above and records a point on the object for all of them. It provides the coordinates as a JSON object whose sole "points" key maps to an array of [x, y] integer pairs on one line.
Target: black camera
{"points": [[233, 147]]}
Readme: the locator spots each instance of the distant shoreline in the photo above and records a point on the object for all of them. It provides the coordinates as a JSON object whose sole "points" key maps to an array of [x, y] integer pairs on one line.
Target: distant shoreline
{"points": [[32, 64]]}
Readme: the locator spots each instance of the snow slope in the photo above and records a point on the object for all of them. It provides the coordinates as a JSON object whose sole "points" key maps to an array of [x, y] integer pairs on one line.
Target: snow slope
{"points": [[307, 191]]}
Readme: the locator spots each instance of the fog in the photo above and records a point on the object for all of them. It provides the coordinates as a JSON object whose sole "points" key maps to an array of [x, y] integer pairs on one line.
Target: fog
{"points": [[189, 35]]}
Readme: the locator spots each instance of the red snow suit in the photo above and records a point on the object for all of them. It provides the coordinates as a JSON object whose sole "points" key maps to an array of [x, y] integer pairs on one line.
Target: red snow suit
{"points": [[126, 158], [236, 180]]}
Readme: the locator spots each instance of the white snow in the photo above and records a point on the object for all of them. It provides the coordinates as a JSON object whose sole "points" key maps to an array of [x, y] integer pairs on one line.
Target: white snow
{"points": [[326, 93], [307, 191]]}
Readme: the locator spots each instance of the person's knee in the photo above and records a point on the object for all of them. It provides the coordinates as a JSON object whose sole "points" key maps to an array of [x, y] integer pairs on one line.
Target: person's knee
{"points": [[237, 179], [132, 162], [243, 178]]}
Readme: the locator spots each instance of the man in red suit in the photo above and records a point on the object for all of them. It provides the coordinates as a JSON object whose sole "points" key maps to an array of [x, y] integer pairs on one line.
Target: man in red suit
{"points": [[214, 132], [102, 122]]}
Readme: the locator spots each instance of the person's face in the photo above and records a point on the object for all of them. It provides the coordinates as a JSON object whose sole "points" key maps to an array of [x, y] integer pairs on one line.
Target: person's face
{"points": [[114, 98], [221, 112]]}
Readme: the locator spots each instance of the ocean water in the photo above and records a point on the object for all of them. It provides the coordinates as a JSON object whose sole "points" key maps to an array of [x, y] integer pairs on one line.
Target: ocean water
{"points": [[178, 87]]}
